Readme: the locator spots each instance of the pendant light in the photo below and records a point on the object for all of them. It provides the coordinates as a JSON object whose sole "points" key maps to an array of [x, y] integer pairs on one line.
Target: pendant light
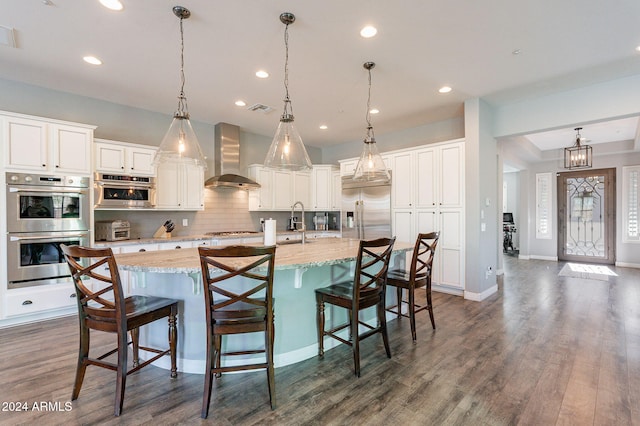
{"points": [[287, 151], [180, 144], [578, 156], [371, 167]]}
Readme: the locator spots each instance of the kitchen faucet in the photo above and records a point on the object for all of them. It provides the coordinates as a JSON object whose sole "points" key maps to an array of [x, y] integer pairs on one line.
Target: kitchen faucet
{"points": [[301, 222]]}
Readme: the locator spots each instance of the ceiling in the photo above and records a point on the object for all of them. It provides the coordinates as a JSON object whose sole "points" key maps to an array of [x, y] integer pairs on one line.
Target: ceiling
{"points": [[420, 46]]}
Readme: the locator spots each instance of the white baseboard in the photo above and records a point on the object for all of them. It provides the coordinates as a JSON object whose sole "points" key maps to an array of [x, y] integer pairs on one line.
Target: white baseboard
{"points": [[37, 317], [536, 257], [523, 256], [447, 290], [628, 265], [478, 297]]}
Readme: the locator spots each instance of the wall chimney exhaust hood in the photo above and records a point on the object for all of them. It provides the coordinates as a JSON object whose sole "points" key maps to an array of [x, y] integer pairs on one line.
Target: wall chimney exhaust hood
{"points": [[227, 160]]}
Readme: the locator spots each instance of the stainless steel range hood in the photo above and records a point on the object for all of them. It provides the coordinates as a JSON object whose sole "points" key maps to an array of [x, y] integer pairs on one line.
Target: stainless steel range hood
{"points": [[227, 160]]}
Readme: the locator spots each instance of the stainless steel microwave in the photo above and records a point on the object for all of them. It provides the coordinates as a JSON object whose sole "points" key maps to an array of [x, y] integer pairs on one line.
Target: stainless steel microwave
{"points": [[123, 191]]}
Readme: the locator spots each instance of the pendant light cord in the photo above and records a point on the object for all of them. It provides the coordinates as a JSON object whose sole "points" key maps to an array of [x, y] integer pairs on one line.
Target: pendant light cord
{"points": [[288, 109], [183, 110], [370, 134]]}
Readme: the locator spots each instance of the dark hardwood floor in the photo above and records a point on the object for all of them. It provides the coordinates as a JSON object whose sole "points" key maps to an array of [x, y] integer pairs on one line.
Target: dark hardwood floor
{"points": [[544, 350]]}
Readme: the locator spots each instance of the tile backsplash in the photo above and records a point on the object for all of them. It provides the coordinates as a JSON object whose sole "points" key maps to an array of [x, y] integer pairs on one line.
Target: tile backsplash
{"points": [[225, 210]]}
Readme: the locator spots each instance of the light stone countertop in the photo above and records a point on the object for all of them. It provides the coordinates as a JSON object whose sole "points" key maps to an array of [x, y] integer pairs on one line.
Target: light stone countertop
{"points": [[318, 252]]}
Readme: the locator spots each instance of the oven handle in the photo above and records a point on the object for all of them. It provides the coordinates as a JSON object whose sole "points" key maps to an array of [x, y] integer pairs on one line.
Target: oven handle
{"points": [[50, 191], [48, 237], [141, 185]]}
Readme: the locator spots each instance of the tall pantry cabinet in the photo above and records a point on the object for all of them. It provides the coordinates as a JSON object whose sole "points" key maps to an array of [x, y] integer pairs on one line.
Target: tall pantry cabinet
{"points": [[428, 195]]}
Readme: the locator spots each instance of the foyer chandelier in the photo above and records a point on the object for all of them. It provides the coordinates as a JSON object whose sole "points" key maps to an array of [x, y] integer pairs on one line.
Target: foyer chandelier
{"points": [[180, 144], [371, 167], [287, 151], [578, 156]]}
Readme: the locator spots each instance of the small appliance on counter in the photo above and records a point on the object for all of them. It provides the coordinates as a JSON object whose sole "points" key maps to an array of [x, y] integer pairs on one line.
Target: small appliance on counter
{"points": [[113, 230]]}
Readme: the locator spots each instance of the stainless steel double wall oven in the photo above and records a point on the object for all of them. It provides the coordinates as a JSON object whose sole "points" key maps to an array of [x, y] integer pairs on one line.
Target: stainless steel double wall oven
{"points": [[44, 211]]}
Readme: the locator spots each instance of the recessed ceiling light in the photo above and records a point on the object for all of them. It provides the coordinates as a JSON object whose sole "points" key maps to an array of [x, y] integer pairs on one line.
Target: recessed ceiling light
{"points": [[241, 103], [444, 89], [262, 74], [516, 52], [323, 127], [368, 31], [92, 60], [112, 4], [374, 110], [638, 48]]}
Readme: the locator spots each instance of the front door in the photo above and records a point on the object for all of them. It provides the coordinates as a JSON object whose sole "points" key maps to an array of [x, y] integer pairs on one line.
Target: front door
{"points": [[586, 216]]}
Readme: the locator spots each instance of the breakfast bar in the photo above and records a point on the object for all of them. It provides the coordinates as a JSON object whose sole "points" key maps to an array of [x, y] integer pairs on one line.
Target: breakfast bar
{"points": [[299, 270]]}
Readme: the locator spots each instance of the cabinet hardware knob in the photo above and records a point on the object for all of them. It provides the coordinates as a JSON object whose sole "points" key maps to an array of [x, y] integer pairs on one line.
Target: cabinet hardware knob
{"points": [[178, 247], [142, 249], [44, 165], [72, 296], [57, 166], [122, 167], [27, 302]]}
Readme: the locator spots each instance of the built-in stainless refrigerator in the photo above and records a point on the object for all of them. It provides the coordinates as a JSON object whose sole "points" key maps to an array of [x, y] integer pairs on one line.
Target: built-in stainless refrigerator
{"points": [[366, 209]]}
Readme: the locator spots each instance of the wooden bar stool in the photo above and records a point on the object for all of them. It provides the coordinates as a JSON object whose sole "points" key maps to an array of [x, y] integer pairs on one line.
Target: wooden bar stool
{"points": [[419, 275], [107, 309], [234, 307], [366, 290]]}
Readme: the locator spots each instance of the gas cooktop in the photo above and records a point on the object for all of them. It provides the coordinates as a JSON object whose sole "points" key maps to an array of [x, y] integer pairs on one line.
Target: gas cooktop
{"points": [[227, 233]]}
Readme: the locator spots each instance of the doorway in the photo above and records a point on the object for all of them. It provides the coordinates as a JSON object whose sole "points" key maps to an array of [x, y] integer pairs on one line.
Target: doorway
{"points": [[586, 216]]}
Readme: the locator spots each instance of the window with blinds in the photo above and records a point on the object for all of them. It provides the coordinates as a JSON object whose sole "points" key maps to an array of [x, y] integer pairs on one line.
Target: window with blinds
{"points": [[544, 218], [630, 192]]}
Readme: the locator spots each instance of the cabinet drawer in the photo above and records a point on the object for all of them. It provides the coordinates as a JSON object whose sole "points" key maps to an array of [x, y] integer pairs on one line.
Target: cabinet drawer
{"points": [[29, 301]]}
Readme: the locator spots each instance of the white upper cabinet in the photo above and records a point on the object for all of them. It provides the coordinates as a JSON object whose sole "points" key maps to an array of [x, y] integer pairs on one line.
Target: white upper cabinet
{"points": [[49, 146], [124, 158], [280, 189], [180, 187], [336, 186], [301, 182], [402, 181], [322, 188]]}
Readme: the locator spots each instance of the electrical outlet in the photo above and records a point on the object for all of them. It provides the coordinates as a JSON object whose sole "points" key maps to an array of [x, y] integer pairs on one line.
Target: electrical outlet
{"points": [[185, 222]]}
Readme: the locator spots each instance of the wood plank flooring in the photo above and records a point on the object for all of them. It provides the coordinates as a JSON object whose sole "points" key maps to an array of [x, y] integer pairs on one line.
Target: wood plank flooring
{"points": [[544, 350]]}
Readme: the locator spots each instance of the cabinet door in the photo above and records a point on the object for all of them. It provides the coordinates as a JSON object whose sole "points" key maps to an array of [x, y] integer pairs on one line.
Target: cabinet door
{"points": [[449, 252], [302, 188], [192, 188], [403, 226], [348, 168], [71, 149], [282, 190], [262, 198], [336, 190], [321, 188], [451, 176], [426, 179], [25, 144], [140, 161], [402, 180], [110, 158], [168, 184]]}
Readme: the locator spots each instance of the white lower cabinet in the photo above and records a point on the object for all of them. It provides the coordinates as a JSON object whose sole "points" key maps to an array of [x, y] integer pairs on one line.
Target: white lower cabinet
{"points": [[34, 300]]}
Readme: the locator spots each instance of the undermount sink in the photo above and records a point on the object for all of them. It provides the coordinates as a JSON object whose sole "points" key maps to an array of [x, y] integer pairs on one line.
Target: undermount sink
{"points": [[285, 242]]}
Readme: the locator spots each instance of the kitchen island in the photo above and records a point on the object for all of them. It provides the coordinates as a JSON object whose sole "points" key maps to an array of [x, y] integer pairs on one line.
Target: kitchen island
{"points": [[299, 270]]}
